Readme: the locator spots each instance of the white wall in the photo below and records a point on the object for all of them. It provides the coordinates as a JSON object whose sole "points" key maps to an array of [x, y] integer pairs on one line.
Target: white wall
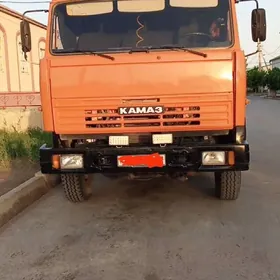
{"points": [[275, 63], [22, 75]]}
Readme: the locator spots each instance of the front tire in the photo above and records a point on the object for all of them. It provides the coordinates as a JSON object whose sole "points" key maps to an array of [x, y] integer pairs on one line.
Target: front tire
{"points": [[77, 187], [228, 184]]}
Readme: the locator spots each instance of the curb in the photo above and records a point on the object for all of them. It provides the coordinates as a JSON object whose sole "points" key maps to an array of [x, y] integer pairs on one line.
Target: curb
{"points": [[16, 200], [273, 98]]}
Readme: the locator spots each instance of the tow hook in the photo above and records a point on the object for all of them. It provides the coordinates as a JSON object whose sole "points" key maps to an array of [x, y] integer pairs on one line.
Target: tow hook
{"points": [[183, 177]]}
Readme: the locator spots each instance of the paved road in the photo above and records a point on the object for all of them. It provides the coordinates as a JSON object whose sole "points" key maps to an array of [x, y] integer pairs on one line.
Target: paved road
{"points": [[167, 230]]}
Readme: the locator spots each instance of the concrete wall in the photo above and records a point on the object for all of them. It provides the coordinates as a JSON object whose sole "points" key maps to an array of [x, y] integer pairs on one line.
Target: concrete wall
{"points": [[20, 119], [19, 79]]}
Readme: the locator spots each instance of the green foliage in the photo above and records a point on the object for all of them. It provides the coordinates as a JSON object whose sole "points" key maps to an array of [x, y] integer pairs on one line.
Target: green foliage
{"points": [[256, 79], [22, 145], [273, 79]]}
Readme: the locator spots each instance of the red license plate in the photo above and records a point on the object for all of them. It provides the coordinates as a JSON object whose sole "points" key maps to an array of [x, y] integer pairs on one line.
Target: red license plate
{"points": [[150, 161]]}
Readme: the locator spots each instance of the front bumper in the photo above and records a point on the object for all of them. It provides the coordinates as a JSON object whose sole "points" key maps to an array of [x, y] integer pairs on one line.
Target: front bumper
{"points": [[178, 159]]}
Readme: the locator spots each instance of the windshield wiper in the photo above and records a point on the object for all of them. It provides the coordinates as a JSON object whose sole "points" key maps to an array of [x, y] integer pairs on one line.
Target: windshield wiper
{"points": [[171, 47], [98, 54], [86, 52], [167, 47], [142, 49]]}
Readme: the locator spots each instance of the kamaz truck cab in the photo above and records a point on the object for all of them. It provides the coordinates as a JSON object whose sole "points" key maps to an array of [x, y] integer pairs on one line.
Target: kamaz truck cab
{"points": [[145, 88]]}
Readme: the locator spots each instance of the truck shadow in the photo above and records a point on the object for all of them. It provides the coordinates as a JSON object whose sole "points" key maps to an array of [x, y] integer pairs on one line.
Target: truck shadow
{"points": [[159, 199], [198, 187]]}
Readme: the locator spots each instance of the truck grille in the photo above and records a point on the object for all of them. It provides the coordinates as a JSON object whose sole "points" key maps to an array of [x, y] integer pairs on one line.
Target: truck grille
{"points": [[173, 116], [183, 113]]}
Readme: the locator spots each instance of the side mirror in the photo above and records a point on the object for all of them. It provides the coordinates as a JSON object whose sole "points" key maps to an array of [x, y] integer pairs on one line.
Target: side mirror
{"points": [[25, 36], [258, 25]]}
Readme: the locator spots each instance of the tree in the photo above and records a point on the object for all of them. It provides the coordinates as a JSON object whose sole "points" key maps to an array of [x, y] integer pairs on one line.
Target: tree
{"points": [[273, 80], [256, 79]]}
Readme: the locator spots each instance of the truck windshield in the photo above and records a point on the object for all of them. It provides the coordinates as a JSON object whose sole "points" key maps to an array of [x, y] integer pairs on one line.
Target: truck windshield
{"points": [[125, 25]]}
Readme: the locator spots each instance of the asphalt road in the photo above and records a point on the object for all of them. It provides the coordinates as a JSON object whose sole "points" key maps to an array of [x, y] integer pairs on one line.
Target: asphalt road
{"points": [[158, 231]]}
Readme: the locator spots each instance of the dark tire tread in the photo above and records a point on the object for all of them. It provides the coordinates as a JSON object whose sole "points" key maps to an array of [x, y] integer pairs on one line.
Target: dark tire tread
{"points": [[228, 185], [73, 186]]}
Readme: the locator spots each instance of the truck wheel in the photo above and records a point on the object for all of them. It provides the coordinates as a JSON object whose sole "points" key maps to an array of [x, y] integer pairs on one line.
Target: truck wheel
{"points": [[77, 187], [227, 184]]}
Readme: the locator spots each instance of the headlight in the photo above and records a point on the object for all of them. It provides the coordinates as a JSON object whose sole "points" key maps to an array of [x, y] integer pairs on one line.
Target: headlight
{"points": [[71, 161], [213, 158]]}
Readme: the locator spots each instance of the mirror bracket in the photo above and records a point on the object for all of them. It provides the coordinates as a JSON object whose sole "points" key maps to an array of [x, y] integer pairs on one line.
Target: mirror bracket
{"points": [[256, 1], [253, 53]]}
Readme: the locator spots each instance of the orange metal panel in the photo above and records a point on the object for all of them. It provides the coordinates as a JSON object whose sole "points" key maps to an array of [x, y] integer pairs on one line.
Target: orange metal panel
{"points": [[46, 96], [177, 80], [135, 75]]}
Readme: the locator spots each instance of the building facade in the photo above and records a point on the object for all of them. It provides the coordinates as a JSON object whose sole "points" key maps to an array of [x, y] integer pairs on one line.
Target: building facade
{"points": [[19, 78], [275, 62]]}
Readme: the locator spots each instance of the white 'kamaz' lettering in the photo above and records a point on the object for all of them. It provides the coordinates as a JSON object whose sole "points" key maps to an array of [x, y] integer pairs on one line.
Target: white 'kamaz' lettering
{"points": [[140, 110]]}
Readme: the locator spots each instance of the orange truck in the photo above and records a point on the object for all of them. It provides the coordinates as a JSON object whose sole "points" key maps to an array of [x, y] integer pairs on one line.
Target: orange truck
{"points": [[144, 88]]}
